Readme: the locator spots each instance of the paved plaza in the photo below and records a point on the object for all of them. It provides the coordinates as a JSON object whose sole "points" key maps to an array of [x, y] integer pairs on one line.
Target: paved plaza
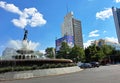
{"points": [[103, 74]]}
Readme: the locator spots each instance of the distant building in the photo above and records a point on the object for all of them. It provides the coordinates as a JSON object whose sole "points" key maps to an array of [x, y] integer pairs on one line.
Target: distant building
{"points": [[116, 15], [72, 27], [102, 42]]}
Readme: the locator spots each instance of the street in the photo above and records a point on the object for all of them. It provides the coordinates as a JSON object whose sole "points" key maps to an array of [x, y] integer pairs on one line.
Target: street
{"points": [[103, 74]]}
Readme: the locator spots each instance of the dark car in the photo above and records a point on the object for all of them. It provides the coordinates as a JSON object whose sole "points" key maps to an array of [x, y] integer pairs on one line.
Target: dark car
{"points": [[95, 64], [85, 65]]}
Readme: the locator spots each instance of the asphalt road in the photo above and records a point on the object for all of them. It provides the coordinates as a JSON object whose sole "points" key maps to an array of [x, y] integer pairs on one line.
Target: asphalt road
{"points": [[103, 74]]}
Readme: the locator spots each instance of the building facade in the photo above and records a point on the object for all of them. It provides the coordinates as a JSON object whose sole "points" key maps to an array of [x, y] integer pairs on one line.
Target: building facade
{"points": [[67, 26], [68, 39], [102, 42], [116, 15], [72, 27], [77, 30]]}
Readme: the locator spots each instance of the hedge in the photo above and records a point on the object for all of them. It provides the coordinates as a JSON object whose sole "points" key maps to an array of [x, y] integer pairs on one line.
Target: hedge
{"points": [[34, 67]]}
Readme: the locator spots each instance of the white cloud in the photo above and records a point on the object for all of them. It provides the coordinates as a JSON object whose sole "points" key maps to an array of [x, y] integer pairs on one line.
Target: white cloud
{"points": [[18, 44], [117, 1], [36, 19], [111, 39], [88, 43], [29, 16], [104, 14], [21, 22], [10, 7], [94, 33]]}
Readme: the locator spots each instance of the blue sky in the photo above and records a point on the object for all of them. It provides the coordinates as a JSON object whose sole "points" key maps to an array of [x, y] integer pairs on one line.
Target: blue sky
{"points": [[43, 19]]}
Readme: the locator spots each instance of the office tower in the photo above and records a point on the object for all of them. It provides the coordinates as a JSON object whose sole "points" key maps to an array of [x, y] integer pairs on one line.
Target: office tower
{"points": [[67, 26], [116, 15], [72, 27]]}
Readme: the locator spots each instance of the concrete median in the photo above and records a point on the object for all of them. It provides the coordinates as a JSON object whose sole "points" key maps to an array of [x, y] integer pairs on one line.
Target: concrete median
{"points": [[38, 73]]}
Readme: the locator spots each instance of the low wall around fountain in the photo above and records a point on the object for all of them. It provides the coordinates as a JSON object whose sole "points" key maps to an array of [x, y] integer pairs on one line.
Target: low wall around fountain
{"points": [[38, 73]]}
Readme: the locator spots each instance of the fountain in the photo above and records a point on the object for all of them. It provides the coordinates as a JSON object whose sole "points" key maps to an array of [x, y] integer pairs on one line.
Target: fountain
{"points": [[27, 58], [25, 52]]}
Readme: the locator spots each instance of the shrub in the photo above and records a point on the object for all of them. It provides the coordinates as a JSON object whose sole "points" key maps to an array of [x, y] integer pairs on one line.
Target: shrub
{"points": [[44, 66], [6, 69], [34, 67]]}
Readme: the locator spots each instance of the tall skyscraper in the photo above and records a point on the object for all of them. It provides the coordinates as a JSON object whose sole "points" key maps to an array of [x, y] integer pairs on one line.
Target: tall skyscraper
{"points": [[72, 27], [116, 15], [67, 26]]}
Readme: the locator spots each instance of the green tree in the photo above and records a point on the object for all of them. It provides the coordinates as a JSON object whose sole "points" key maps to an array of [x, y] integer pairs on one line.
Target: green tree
{"points": [[90, 53], [107, 49], [77, 54], [64, 51], [99, 55], [87, 54], [50, 52], [94, 53]]}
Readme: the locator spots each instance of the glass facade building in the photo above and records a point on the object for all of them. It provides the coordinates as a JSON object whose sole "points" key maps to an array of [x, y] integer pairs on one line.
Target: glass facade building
{"points": [[102, 42]]}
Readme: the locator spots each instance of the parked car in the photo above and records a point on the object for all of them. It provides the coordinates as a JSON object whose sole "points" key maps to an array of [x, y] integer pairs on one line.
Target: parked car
{"points": [[85, 65], [95, 64]]}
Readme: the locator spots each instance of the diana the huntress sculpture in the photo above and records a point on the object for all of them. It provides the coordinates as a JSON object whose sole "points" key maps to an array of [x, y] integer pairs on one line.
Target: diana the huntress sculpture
{"points": [[25, 34]]}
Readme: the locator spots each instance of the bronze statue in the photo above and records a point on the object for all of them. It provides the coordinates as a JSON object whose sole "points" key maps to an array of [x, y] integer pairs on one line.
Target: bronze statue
{"points": [[25, 34]]}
